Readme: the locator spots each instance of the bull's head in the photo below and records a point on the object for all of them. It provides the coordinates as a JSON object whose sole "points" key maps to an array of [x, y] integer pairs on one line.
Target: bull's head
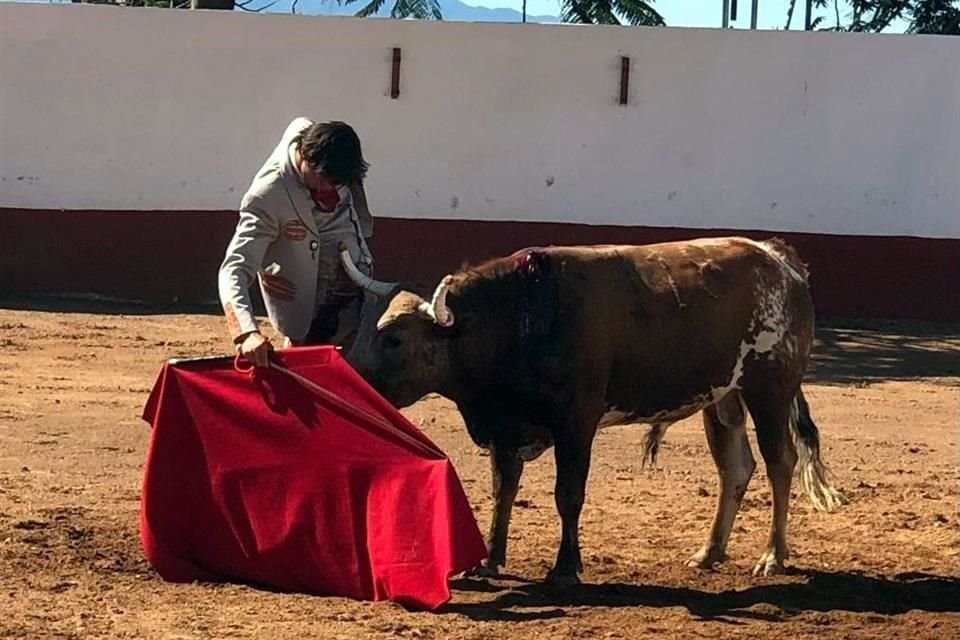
{"points": [[402, 344]]}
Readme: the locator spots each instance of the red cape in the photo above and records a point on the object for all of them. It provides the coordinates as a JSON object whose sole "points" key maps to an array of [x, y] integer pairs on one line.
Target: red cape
{"points": [[262, 479]]}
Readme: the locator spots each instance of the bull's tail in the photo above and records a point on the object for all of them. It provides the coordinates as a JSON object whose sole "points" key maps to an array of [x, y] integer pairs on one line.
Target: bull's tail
{"points": [[651, 443], [813, 474]]}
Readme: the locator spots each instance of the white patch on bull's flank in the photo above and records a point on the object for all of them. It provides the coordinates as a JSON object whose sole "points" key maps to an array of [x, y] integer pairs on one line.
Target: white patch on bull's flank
{"points": [[718, 393], [771, 324], [766, 341]]}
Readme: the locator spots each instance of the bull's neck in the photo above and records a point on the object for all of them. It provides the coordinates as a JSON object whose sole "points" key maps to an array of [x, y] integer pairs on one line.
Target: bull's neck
{"points": [[481, 355]]}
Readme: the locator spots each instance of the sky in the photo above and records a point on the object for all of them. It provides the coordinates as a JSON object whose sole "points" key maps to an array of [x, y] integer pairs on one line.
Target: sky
{"points": [[679, 13], [772, 14]]}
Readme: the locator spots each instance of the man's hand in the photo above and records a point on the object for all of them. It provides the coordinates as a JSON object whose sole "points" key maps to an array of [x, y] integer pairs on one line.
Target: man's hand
{"points": [[256, 348]]}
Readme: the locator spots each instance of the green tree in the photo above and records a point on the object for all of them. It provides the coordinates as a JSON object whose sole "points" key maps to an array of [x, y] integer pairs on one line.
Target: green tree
{"points": [[420, 9], [873, 16], [870, 16], [635, 12], [936, 17]]}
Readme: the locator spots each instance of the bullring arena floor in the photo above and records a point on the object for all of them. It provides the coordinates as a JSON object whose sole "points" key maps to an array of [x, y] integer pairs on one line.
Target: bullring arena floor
{"points": [[885, 395]]}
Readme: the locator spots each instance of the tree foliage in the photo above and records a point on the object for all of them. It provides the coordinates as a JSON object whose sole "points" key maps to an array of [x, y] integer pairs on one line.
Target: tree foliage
{"points": [[874, 16], [870, 16]]}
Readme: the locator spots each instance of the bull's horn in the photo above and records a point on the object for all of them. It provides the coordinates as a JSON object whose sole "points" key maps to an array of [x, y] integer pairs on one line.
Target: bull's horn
{"points": [[437, 307], [376, 287]]}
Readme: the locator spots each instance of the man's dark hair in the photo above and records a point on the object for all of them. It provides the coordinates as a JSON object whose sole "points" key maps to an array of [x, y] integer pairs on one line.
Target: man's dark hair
{"points": [[333, 149]]}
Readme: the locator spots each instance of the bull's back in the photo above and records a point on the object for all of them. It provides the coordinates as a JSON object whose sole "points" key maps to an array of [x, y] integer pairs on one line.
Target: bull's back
{"points": [[662, 325], [668, 280]]}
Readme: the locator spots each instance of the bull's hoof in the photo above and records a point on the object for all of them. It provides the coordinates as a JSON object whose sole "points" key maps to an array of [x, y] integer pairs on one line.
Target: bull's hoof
{"points": [[770, 564], [557, 581], [485, 570], [707, 558]]}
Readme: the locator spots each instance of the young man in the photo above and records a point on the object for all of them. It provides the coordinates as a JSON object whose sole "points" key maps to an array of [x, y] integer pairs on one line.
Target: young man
{"points": [[306, 199]]}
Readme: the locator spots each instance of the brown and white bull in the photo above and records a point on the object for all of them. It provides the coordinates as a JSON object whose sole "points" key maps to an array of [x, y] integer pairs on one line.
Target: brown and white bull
{"points": [[548, 345]]}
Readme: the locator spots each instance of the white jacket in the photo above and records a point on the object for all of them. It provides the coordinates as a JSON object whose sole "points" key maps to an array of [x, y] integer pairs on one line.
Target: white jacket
{"points": [[273, 214]]}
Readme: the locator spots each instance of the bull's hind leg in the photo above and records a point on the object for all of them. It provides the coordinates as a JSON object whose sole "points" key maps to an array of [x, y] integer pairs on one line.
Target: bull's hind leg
{"points": [[725, 424], [771, 415]]}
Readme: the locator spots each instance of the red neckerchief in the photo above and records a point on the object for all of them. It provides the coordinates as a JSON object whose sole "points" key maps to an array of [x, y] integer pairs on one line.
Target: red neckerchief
{"points": [[327, 200]]}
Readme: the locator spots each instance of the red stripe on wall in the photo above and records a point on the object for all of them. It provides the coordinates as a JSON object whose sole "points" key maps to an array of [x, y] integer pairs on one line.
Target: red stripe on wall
{"points": [[163, 256]]}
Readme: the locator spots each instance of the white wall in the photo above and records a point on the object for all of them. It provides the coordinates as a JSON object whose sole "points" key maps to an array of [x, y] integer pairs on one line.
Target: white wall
{"points": [[111, 108]]}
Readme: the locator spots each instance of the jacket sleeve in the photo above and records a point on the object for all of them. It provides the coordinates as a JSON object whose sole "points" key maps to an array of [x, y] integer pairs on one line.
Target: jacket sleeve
{"points": [[255, 231]]}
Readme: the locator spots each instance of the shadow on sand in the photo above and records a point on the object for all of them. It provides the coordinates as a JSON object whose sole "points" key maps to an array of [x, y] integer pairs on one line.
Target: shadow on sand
{"points": [[820, 592]]}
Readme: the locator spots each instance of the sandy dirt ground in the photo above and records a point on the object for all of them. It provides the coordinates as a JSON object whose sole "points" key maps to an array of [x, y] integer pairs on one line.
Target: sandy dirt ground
{"points": [[885, 395]]}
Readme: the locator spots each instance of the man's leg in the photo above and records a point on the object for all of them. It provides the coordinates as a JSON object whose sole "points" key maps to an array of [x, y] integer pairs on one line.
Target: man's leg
{"points": [[336, 323], [348, 323]]}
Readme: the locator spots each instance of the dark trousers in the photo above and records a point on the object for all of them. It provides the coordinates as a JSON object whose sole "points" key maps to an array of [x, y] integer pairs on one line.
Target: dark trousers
{"points": [[326, 326]]}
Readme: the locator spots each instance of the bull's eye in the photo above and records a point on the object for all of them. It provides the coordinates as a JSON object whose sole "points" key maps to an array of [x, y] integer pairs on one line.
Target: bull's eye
{"points": [[391, 342]]}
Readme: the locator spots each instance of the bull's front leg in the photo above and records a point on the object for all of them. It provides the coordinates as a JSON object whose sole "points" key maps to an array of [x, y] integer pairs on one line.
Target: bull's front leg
{"points": [[506, 467], [573, 464]]}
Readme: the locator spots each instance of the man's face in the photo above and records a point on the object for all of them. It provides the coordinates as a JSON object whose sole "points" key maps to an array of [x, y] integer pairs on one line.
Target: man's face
{"points": [[314, 180]]}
